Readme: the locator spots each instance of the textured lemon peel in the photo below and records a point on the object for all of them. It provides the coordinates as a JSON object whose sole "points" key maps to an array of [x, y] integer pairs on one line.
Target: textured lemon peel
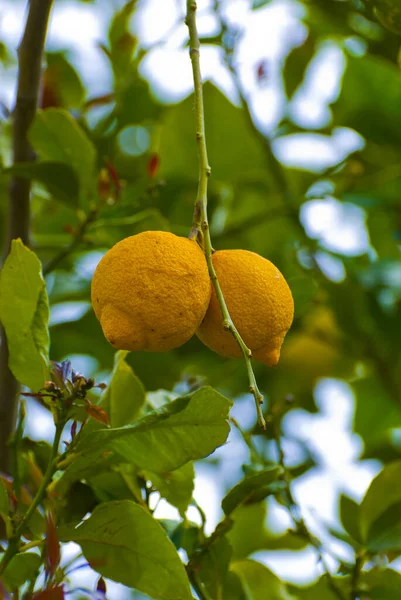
{"points": [[259, 301], [151, 291]]}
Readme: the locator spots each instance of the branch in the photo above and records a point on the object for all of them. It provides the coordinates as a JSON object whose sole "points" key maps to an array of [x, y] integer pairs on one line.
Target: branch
{"points": [[200, 226], [30, 62], [359, 562]]}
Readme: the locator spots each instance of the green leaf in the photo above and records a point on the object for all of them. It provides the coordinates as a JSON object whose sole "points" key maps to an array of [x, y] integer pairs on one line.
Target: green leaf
{"points": [[211, 567], [388, 13], [349, 514], [22, 568], [61, 76], [259, 582], [322, 590], [385, 532], [4, 500], [383, 584], [122, 42], [120, 23], [375, 413], [362, 104], [59, 178], [233, 589], [24, 313], [176, 487], [383, 492], [296, 64], [57, 137], [122, 541], [303, 291], [248, 533], [251, 489], [125, 395], [225, 121], [187, 429]]}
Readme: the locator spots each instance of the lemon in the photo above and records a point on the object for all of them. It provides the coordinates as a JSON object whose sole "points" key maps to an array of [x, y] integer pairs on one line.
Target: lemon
{"points": [[151, 291], [260, 304]]}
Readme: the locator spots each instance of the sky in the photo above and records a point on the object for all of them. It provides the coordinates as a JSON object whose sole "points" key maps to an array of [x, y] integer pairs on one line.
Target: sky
{"points": [[268, 35]]}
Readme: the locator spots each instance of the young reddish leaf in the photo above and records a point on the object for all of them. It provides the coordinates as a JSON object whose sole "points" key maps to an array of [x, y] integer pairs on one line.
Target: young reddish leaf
{"points": [[4, 595], [25, 496], [34, 473], [50, 95], [74, 429], [54, 593], [99, 100], [153, 165], [101, 586], [68, 229], [262, 71], [97, 413], [52, 547], [103, 184], [113, 175]]}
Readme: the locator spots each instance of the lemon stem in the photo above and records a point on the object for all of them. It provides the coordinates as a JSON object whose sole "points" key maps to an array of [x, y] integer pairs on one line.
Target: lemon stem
{"points": [[200, 225]]}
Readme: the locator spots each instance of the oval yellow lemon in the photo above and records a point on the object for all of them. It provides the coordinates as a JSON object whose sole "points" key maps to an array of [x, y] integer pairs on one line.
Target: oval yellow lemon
{"points": [[151, 291], [260, 304]]}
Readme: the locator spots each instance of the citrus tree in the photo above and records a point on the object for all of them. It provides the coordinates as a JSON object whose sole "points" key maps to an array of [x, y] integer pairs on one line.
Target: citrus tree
{"points": [[167, 250]]}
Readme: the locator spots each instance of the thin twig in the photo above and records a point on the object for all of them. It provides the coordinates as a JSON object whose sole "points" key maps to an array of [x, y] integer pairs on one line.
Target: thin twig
{"points": [[15, 451], [247, 437], [13, 543], [200, 227], [75, 243], [359, 560], [29, 70]]}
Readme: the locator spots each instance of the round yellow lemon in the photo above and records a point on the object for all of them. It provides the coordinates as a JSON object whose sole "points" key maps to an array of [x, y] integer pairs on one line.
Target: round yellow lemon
{"points": [[260, 304], [151, 291]]}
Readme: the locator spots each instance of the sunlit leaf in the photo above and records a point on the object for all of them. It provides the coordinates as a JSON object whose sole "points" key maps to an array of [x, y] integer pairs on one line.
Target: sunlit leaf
{"points": [[123, 542], [383, 495], [24, 313], [176, 487], [251, 489], [125, 395], [57, 137], [259, 582], [22, 568], [59, 178], [161, 442]]}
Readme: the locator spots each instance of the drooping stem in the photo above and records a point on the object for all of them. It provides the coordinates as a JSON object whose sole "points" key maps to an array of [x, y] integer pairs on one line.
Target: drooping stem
{"points": [[29, 70], [200, 226], [13, 544]]}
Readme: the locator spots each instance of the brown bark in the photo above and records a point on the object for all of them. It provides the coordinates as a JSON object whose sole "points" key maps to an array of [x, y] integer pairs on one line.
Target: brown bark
{"points": [[30, 55]]}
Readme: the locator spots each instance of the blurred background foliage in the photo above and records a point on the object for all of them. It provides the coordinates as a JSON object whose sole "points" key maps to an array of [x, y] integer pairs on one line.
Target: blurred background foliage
{"points": [[113, 164]]}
